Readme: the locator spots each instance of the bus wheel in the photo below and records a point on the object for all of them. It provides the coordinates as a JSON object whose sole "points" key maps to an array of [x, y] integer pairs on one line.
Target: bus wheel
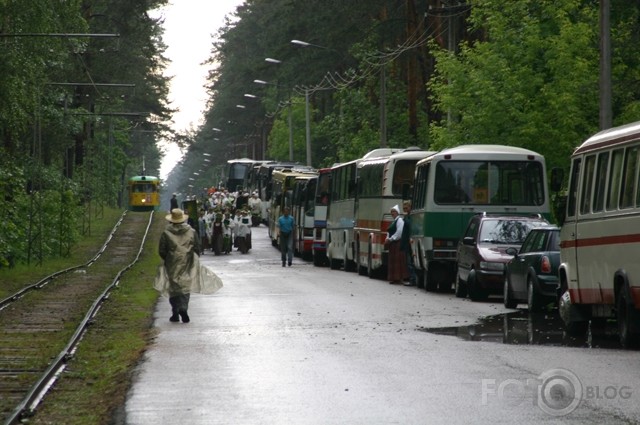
{"points": [[362, 268], [420, 278], [371, 272], [575, 323], [318, 261], [333, 263], [349, 265], [627, 317], [428, 281]]}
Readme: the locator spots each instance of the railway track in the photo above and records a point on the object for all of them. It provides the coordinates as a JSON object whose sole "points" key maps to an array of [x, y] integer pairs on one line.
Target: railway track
{"points": [[42, 324]]}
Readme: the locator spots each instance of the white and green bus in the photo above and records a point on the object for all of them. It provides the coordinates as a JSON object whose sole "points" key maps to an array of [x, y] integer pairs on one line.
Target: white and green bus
{"points": [[454, 184]]}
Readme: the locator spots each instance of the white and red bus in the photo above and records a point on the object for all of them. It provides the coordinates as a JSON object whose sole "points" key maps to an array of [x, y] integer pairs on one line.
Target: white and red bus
{"points": [[283, 181], [382, 183], [341, 213], [322, 200], [600, 236], [302, 210]]}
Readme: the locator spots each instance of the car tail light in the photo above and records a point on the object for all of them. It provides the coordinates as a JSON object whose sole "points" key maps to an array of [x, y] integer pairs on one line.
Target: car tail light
{"points": [[545, 265]]}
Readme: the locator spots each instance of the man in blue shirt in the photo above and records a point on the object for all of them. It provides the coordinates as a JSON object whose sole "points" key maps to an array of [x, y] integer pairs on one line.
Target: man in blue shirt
{"points": [[285, 224]]}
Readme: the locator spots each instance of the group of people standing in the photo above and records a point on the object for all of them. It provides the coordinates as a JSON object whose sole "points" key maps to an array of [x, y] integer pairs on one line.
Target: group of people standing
{"points": [[400, 267]]}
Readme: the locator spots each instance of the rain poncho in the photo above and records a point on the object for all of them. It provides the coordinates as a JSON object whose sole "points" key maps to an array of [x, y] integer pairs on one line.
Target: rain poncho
{"points": [[179, 248], [181, 273]]}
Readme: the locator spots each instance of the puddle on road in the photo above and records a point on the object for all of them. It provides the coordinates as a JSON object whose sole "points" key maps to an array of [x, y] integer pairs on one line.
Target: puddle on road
{"points": [[523, 327]]}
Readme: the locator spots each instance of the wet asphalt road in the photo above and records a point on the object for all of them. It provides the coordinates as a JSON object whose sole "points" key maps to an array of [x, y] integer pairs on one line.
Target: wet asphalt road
{"points": [[308, 345]]}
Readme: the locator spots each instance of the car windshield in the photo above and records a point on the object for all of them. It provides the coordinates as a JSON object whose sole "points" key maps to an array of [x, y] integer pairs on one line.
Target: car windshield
{"points": [[507, 231]]}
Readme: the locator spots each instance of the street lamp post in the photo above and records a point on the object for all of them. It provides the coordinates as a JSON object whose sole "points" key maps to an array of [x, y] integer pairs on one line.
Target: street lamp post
{"points": [[306, 99], [290, 117], [307, 116]]}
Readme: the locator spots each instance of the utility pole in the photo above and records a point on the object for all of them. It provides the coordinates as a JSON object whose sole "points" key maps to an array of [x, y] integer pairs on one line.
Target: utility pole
{"points": [[606, 120]]}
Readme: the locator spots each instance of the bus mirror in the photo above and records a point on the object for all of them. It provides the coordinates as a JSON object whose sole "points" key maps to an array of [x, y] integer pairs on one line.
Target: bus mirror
{"points": [[557, 177]]}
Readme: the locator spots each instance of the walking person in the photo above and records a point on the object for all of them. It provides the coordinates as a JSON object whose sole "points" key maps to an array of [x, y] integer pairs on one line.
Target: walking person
{"points": [[202, 232], [397, 265], [405, 244], [174, 202], [285, 224], [179, 247]]}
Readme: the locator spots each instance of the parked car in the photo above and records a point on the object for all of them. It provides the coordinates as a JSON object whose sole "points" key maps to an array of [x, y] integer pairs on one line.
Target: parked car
{"points": [[531, 276], [482, 255]]}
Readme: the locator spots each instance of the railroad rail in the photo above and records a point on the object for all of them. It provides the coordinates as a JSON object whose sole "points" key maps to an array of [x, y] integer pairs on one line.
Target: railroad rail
{"points": [[47, 320]]}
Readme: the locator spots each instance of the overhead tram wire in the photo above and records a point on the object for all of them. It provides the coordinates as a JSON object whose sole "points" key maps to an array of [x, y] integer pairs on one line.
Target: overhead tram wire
{"points": [[337, 81]]}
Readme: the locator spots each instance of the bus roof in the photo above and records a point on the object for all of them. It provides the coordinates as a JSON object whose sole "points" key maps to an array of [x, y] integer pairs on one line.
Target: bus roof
{"points": [[143, 178], [610, 137], [494, 152], [241, 160]]}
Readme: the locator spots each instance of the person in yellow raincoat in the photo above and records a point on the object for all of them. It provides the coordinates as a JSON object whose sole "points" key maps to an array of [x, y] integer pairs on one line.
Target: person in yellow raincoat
{"points": [[179, 248]]}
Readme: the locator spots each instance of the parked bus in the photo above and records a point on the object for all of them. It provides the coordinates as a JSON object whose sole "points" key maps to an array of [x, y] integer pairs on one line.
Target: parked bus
{"points": [[382, 183], [341, 214], [600, 240], [283, 181], [322, 201], [454, 184], [304, 193], [262, 181], [237, 172]]}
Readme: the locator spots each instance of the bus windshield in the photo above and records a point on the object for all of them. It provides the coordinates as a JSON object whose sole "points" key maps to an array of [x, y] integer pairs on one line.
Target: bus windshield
{"points": [[489, 182]]}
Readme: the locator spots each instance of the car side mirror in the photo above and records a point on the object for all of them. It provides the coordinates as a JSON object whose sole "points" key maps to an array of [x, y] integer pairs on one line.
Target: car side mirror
{"points": [[468, 240], [511, 251]]}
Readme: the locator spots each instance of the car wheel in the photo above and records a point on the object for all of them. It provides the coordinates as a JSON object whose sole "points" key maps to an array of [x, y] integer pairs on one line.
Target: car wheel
{"points": [[509, 302], [460, 288], [475, 293], [534, 301]]}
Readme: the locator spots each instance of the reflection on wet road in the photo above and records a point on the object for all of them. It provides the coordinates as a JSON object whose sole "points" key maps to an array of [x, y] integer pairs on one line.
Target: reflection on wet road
{"points": [[523, 327]]}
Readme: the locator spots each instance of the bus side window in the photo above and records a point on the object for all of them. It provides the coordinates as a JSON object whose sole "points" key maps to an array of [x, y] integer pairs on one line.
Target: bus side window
{"points": [[614, 179], [629, 178], [587, 184], [600, 182]]}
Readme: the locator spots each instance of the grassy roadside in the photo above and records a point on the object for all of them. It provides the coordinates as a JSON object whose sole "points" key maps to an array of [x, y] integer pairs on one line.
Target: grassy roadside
{"points": [[13, 279], [95, 383]]}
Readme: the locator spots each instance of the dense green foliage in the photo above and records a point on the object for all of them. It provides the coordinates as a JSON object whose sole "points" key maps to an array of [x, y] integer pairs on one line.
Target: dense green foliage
{"points": [[522, 73], [78, 114]]}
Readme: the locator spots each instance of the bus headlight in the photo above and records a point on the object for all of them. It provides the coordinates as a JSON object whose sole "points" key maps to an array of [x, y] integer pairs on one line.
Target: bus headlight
{"points": [[486, 265]]}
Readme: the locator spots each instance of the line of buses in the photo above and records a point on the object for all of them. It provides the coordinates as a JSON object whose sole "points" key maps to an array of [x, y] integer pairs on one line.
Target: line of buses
{"points": [[342, 214]]}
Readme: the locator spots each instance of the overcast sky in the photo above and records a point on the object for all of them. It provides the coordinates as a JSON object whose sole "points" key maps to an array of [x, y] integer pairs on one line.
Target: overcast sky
{"points": [[189, 27]]}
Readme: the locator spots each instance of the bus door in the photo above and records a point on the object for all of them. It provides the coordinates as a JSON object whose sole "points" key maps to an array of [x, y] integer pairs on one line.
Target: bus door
{"points": [[569, 233]]}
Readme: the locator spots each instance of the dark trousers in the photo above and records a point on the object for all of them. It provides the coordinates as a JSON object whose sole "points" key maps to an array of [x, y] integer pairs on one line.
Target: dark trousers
{"points": [[286, 247], [179, 303], [413, 277]]}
